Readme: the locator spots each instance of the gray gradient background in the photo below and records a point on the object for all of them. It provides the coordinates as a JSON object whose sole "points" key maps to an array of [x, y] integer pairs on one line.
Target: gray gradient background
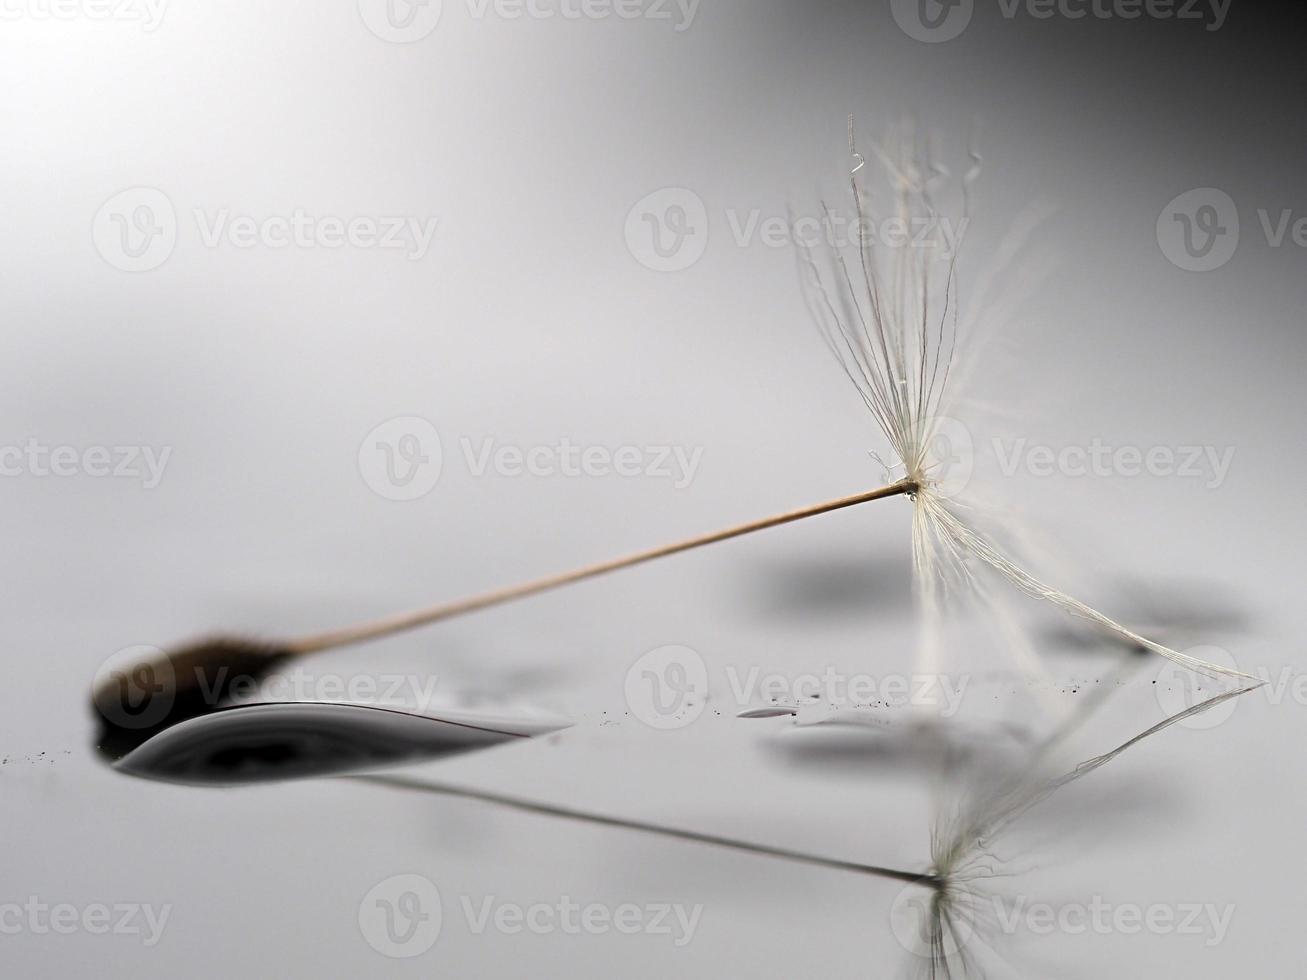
{"points": [[528, 321]]}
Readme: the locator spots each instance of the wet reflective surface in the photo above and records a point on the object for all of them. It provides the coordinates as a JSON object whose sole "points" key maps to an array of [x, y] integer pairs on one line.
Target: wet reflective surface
{"points": [[261, 369]]}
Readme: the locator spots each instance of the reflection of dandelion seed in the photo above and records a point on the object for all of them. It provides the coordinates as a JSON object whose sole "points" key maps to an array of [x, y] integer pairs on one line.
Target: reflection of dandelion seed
{"points": [[961, 915], [952, 917], [893, 325]]}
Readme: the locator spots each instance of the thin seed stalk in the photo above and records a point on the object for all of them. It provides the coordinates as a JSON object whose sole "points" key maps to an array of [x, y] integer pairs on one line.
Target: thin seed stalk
{"points": [[401, 622]]}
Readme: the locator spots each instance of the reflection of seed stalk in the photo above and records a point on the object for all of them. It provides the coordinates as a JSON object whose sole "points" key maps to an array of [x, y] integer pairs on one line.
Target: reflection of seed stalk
{"points": [[545, 809]]}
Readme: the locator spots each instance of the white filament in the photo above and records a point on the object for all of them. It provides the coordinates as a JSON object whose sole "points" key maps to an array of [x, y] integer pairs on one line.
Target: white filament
{"points": [[893, 324]]}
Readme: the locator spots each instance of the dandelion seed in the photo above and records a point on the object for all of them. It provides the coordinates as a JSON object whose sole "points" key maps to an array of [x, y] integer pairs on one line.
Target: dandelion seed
{"points": [[894, 325], [193, 680], [896, 337]]}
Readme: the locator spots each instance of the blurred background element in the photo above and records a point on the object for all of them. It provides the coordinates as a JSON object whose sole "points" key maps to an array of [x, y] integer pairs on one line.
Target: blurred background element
{"points": [[239, 238]]}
